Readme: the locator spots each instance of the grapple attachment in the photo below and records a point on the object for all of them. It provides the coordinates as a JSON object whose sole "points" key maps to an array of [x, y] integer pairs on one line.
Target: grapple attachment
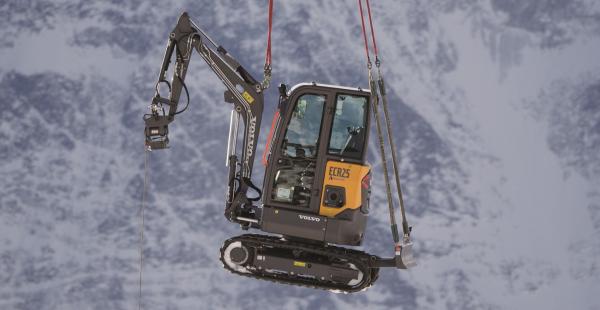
{"points": [[157, 125], [157, 131]]}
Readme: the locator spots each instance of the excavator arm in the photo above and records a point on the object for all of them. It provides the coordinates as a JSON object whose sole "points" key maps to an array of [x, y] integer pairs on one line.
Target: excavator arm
{"points": [[243, 91]]}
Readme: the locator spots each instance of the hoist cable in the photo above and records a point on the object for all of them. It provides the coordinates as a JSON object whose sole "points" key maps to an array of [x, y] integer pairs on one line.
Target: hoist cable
{"points": [[372, 30], [364, 31], [384, 166], [380, 137], [267, 69], [268, 51], [375, 103], [405, 227], [142, 223]]}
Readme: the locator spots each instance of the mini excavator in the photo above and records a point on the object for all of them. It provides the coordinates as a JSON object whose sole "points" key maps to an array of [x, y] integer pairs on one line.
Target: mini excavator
{"points": [[315, 193]]}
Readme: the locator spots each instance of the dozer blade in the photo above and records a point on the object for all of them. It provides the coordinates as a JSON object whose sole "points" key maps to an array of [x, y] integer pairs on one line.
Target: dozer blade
{"points": [[406, 255], [298, 263]]}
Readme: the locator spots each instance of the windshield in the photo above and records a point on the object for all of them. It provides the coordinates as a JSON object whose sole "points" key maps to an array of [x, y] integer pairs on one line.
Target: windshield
{"points": [[348, 131], [302, 135]]}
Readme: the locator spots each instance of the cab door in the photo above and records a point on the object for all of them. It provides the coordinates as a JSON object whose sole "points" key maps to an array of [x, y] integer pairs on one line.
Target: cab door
{"points": [[346, 185], [295, 167]]}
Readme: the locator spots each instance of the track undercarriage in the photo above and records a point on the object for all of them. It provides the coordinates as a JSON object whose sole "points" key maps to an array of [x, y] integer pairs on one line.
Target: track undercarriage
{"points": [[299, 263]]}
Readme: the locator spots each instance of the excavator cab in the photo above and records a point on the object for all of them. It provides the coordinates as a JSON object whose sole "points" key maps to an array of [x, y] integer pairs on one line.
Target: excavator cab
{"points": [[316, 184]]}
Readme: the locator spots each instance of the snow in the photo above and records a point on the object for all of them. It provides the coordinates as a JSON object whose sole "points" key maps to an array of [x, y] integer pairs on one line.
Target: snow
{"points": [[501, 187]]}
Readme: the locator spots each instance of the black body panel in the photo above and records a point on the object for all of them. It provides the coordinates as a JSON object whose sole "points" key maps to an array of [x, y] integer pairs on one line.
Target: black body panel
{"points": [[293, 223], [347, 228]]}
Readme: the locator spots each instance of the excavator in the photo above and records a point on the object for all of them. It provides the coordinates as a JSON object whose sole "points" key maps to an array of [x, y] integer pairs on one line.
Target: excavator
{"points": [[314, 201]]}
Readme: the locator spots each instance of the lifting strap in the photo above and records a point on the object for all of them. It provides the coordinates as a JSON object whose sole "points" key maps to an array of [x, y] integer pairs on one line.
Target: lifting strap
{"points": [[267, 70], [405, 228], [372, 31], [364, 32]]}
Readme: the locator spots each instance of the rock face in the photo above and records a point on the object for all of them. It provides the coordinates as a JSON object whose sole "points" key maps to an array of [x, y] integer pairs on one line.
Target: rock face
{"points": [[496, 112]]}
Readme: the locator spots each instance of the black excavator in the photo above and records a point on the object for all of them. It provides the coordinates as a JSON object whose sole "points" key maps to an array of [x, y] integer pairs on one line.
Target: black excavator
{"points": [[315, 193]]}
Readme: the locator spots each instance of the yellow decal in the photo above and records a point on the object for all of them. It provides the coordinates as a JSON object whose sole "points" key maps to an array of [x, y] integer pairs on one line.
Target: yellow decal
{"points": [[299, 264], [247, 96], [346, 175], [338, 173]]}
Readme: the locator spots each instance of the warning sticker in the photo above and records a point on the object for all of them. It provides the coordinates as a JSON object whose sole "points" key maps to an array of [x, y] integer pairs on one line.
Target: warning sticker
{"points": [[247, 96], [299, 264]]}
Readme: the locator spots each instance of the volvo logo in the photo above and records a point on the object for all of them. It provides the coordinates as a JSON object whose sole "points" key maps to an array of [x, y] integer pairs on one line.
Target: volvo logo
{"points": [[250, 146], [309, 218]]}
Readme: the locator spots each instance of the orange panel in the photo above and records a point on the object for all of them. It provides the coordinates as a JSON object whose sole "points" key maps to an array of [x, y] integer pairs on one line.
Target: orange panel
{"points": [[348, 176]]}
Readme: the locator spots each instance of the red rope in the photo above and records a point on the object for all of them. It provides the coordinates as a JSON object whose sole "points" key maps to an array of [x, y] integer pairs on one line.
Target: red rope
{"points": [[372, 29], [268, 56], [364, 31]]}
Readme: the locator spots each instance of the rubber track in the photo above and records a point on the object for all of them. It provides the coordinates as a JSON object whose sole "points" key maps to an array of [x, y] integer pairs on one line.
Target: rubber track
{"points": [[358, 258]]}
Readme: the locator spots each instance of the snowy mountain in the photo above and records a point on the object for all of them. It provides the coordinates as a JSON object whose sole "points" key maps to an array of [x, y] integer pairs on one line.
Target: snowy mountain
{"points": [[496, 108]]}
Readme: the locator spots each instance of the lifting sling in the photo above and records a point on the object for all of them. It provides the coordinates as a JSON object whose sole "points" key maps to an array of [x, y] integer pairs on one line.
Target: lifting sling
{"points": [[403, 250]]}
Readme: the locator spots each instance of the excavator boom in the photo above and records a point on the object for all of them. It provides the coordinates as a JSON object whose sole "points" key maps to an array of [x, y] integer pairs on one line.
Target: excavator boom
{"points": [[243, 90]]}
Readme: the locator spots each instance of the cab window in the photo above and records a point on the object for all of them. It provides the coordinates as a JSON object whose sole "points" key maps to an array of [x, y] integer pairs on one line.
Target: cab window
{"points": [[348, 130], [296, 165], [302, 135]]}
